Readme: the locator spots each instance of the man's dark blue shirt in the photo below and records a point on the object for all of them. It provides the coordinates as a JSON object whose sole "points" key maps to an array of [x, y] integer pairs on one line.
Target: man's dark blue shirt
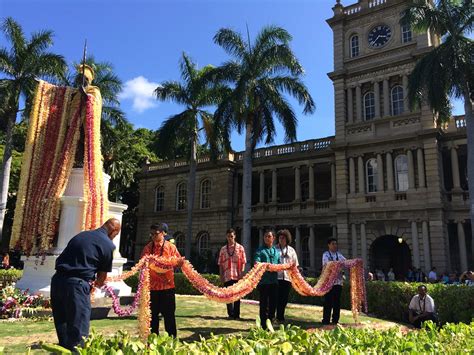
{"points": [[86, 254]]}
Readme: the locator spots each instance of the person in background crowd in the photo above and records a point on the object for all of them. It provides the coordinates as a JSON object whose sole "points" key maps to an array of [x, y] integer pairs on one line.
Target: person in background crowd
{"points": [[421, 308], [370, 277], [380, 275], [410, 275], [287, 256], [467, 278], [268, 285], [162, 290], [391, 275], [6, 261], [231, 263], [332, 299], [445, 278], [453, 280], [420, 276], [432, 276]]}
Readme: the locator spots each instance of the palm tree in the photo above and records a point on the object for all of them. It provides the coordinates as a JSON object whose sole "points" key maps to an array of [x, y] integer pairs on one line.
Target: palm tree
{"points": [[22, 64], [260, 74], [194, 94], [446, 71]]}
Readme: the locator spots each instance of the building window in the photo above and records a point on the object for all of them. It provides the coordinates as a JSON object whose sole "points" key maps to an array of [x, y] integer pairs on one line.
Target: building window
{"points": [[401, 172], [397, 100], [206, 194], [180, 242], [371, 173], [181, 196], [305, 258], [203, 243], [369, 106], [354, 46], [269, 194], [304, 191], [406, 34], [159, 198]]}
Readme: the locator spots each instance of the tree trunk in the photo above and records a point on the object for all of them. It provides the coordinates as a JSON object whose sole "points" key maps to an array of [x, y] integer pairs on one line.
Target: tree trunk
{"points": [[6, 166], [247, 192], [470, 161], [190, 195]]}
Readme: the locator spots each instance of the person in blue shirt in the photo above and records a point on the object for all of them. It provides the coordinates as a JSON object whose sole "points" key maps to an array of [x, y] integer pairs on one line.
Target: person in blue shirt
{"points": [[87, 257], [268, 285]]}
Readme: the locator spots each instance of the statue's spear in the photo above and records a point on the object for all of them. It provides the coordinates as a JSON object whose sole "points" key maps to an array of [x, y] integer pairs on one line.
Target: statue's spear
{"points": [[84, 63]]}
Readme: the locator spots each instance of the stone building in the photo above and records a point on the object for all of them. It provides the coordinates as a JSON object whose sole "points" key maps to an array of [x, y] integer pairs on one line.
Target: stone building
{"points": [[391, 184]]}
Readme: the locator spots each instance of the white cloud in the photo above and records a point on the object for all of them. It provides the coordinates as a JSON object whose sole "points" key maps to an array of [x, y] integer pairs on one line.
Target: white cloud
{"points": [[140, 90]]}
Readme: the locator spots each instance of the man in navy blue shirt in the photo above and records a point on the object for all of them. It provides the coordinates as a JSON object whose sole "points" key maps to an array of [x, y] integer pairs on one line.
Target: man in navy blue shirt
{"points": [[87, 257]]}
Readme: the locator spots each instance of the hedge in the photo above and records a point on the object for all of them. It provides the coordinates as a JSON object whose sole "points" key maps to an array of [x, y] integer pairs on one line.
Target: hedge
{"points": [[9, 276], [387, 300]]}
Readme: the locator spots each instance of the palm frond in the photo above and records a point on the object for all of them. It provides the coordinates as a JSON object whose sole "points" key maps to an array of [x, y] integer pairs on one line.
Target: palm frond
{"points": [[172, 91], [113, 115], [280, 58], [187, 69], [173, 129], [14, 34], [39, 42], [423, 15], [269, 37], [296, 88], [6, 62], [232, 42], [49, 64]]}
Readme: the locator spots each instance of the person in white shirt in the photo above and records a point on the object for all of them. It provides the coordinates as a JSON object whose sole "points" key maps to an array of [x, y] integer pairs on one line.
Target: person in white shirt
{"points": [[432, 276], [391, 275], [332, 299], [421, 308], [287, 256]]}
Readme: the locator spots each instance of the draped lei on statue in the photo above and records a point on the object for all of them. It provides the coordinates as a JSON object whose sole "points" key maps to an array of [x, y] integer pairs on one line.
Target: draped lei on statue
{"points": [[238, 290], [56, 118]]}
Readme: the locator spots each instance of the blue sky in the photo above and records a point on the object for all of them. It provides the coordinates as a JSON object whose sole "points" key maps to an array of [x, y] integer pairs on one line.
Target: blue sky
{"points": [[144, 40]]}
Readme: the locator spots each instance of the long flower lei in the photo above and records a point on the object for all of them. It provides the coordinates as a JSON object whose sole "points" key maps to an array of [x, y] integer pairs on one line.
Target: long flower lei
{"points": [[238, 290]]}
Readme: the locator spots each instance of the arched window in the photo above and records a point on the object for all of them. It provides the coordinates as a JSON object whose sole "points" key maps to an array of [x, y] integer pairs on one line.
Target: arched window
{"points": [[397, 100], [406, 33], [181, 196], [180, 242], [304, 191], [401, 172], [354, 46], [206, 193], [305, 258], [203, 243], [159, 198], [369, 106], [371, 174]]}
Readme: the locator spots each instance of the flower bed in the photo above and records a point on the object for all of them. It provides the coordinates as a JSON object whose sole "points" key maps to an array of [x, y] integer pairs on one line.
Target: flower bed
{"points": [[15, 303]]}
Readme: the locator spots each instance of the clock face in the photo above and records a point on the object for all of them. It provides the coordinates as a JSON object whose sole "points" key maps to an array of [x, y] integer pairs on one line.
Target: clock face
{"points": [[379, 36]]}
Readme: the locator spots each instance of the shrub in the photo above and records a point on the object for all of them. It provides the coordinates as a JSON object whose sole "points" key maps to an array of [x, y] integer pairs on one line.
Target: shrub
{"points": [[13, 302]]}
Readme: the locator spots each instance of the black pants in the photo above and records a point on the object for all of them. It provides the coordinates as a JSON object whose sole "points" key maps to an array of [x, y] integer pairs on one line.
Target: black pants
{"points": [[71, 305], [233, 309], [283, 292], [419, 322], [268, 300], [163, 302], [332, 302]]}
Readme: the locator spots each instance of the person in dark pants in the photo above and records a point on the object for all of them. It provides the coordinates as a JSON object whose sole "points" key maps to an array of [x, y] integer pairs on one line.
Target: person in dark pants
{"points": [[232, 262], [162, 291], [287, 256], [268, 285], [87, 256], [422, 308], [332, 299]]}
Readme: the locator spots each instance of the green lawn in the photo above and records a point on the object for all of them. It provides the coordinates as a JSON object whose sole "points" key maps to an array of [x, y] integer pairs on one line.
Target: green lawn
{"points": [[195, 316]]}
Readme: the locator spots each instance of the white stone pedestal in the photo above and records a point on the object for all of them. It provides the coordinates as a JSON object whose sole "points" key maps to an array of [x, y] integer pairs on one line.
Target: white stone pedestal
{"points": [[37, 271]]}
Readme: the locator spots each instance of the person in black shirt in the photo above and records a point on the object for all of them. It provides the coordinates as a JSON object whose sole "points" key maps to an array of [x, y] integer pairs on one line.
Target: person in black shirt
{"points": [[87, 257]]}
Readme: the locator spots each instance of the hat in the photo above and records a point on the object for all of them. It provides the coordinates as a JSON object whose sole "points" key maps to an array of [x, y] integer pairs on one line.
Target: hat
{"points": [[87, 71]]}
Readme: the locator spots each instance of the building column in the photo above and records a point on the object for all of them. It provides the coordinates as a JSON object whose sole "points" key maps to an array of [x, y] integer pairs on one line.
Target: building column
{"points": [[390, 184], [462, 246], [377, 99], [455, 168], [334, 230], [415, 246], [274, 185], [311, 181], [411, 170], [333, 180], [236, 189], [421, 167], [386, 98], [426, 245], [380, 180], [352, 180], [406, 107], [262, 187], [298, 242], [261, 231], [350, 106], [363, 244], [361, 174], [354, 240], [358, 103], [297, 183], [312, 251]]}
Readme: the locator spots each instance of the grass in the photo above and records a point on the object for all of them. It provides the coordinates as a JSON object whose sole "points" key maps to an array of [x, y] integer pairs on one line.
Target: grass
{"points": [[195, 317]]}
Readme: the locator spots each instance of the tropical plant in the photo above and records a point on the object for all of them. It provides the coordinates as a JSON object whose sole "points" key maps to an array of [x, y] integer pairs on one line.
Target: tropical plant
{"points": [[447, 70], [191, 125], [260, 75], [21, 65]]}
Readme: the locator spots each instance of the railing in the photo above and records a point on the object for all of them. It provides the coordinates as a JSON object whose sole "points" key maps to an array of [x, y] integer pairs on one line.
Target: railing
{"points": [[370, 198], [460, 122], [400, 196], [285, 207], [353, 9], [375, 3], [321, 205]]}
